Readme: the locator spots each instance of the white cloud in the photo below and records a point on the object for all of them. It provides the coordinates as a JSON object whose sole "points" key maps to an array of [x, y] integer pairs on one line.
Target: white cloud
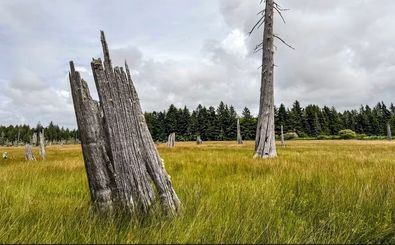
{"points": [[191, 52]]}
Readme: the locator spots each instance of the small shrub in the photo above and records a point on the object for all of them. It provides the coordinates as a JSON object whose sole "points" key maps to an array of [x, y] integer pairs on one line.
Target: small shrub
{"points": [[290, 136], [347, 134], [324, 137]]}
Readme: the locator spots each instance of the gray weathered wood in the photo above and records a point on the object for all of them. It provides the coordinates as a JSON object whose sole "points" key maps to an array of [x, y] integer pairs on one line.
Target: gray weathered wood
{"points": [[117, 145], [199, 140], [171, 140], [95, 150], [239, 138], [389, 133], [29, 153], [42, 144], [265, 145], [282, 136], [34, 139]]}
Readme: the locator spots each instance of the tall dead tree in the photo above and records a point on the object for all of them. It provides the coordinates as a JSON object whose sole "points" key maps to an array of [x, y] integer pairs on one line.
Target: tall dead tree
{"points": [[171, 140], [389, 133], [265, 142], [120, 157], [42, 144], [282, 136], [239, 138]]}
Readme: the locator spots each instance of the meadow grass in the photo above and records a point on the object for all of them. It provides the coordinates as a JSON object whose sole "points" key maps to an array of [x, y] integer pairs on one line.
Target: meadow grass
{"points": [[314, 192]]}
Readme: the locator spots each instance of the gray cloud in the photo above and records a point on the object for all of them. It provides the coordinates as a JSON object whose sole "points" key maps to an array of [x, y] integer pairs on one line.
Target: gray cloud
{"points": [[191, 52]]}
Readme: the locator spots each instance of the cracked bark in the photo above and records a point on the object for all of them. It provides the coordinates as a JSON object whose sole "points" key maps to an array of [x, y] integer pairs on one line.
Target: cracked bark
{"points": [[265, 146], [120, 156]]}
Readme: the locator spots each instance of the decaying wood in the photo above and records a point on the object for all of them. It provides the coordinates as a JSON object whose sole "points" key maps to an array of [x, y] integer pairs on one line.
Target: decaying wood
{"points": [[34, 139], [42, 144], [120, 156], [29, 153], [389, 133], [199, 140], [282, 136], [265, 136], [171, 140], [239, 138]]}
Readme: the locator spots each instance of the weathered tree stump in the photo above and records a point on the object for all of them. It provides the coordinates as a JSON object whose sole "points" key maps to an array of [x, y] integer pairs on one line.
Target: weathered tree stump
{"points": [[239, 138], [265, 142], [42, 145], [282, 136], [121, 159], [389, 133], [171, 141], [199, 140], [34, 139], [29, 153]]}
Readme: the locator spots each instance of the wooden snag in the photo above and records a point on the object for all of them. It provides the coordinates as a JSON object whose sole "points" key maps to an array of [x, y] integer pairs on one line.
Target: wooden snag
{"points": [[29, 153], [265, 145], [199, 140], [42, 145], [239, 138], [121, 159]]}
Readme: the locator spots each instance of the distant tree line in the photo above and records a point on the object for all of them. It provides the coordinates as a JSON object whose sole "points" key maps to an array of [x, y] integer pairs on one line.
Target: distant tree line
{"points": [[21, 134], [311, 121], [220, 123]]}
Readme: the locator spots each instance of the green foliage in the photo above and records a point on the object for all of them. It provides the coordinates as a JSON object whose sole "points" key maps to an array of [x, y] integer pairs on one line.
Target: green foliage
{"points": [[347, 134], [306, 195], [290, 136], [53, 133]]}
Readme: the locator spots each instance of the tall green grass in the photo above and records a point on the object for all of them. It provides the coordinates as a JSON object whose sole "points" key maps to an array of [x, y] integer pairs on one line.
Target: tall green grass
{"points": [[314, 192]]}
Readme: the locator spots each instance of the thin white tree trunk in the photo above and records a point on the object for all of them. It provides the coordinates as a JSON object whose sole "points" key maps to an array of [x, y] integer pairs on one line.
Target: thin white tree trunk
{"points": [[42, 145], [282, 136], [239, 138], [265, 145], [389, 134], [34, 139]]}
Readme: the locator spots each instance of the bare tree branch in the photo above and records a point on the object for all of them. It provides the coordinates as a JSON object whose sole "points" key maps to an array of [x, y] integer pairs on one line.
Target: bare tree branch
{"points": [[282, 40], [260, 21]]}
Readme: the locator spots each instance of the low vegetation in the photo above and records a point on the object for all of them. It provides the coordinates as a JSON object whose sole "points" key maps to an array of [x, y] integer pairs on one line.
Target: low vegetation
{"points": [[314, 192]]}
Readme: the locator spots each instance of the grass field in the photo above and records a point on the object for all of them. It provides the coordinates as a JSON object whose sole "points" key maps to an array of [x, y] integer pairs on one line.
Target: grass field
{"points": [[314, 192]]}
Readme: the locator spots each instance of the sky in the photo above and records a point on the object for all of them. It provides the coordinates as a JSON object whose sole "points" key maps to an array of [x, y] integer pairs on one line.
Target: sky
{"points": [[190, 52]]}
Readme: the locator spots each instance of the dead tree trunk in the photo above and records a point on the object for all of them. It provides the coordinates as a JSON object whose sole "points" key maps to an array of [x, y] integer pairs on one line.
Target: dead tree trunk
{"points": [[265, 145], [239, 138], [42, 145], [29, 153], [171, 141], [34, 139], [19, 136], [199, 140], [282, 136], [389, 133], [120, 156]]}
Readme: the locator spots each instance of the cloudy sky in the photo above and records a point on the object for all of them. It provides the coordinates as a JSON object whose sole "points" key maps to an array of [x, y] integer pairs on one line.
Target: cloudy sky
{"points": [[188, 52]]}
